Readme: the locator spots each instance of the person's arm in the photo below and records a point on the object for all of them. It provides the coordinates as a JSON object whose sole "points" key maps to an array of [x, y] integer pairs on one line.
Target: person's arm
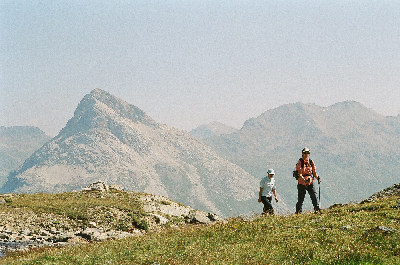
{"points": [[299, 170], [259, 194], [274, 192], [315, 173]]}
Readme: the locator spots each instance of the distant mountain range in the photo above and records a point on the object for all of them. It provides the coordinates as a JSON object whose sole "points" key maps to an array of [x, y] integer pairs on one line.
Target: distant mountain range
{"points": [[17, 143], [111, 140], [356, 150], [212, 129]]}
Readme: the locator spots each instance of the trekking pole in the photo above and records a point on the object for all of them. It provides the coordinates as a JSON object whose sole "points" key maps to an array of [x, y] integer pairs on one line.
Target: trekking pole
{"points": [[319, 194]]}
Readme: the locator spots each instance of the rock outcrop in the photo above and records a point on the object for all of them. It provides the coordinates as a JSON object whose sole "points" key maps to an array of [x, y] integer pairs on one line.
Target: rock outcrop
{"points": [[24, 228], [393, 190]]}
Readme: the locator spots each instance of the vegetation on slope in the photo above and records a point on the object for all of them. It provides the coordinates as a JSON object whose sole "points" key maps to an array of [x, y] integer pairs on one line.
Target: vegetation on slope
{"points": [[79, 208], [366, 233]]}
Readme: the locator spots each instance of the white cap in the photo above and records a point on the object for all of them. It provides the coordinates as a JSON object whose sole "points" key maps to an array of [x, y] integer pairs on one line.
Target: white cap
{"points": [[271, 171], [305, 150]]}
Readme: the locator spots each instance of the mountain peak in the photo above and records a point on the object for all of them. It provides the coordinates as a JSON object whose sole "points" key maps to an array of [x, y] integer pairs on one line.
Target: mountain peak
{"points": [[100, 109], [97, 93]]}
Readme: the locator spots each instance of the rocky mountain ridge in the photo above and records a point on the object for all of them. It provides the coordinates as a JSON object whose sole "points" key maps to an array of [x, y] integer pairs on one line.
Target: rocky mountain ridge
{"points": [[350, 144], [109, 139]]}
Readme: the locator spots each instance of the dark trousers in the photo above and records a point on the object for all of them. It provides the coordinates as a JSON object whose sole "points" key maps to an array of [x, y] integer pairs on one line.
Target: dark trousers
{"points": [[301, 189], [267, 204]]}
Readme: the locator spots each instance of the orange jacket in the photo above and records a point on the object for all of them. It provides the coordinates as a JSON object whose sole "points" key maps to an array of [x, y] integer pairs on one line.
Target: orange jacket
{"points": [[306, 171]]}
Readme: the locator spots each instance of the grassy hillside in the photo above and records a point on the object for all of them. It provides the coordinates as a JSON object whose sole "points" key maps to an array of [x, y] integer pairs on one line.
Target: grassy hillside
{"points": [[349, 234]]}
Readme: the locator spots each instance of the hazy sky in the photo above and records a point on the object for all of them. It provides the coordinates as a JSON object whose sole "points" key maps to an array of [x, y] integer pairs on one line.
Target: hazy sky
{"points": [[187, 63]]}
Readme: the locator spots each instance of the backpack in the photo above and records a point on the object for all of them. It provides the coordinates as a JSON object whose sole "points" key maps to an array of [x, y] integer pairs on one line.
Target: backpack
{"points": [[295, 173]]}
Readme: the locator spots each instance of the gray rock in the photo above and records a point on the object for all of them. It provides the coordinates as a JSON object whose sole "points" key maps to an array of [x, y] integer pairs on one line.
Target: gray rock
{"points": [[97, 186], [63, 237], [346, 227], [213, 217], [93, 234], [160, 219], [197, 217], [118, 234], [383, 229]]}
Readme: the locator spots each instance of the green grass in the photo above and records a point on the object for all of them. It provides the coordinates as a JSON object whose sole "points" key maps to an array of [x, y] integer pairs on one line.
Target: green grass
{"points": [[80, 206], [74, 203], [302, 239]]}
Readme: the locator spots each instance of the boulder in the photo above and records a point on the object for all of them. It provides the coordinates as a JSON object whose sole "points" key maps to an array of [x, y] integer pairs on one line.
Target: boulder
{"points": [[382, 229], [97, 186], [198, 217], [346, 227], [160, 219], [92, 234]]}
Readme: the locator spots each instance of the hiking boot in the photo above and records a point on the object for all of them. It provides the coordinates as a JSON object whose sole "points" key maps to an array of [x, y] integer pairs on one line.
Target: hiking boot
{"points": [[268, 212]]}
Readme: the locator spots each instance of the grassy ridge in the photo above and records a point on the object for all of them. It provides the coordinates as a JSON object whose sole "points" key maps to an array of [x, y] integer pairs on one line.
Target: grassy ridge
{"points": [[74, 204], [343, 235], [82, 207]]}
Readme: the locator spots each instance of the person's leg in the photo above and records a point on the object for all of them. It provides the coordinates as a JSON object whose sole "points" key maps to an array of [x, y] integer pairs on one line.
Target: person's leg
{"points": [[267, 204], [313, 195], [271, 210], [301, 193]]}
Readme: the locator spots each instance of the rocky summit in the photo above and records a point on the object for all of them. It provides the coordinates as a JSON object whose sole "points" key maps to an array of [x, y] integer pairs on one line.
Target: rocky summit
{"points": [[112, 140]]}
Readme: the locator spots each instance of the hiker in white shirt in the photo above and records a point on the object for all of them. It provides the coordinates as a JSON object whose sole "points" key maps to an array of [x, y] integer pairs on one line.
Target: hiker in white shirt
{"points": [[267, 188]]}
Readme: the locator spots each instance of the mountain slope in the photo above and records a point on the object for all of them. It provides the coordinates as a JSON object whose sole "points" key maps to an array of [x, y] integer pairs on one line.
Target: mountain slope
{"points": [[17, 143], [114, 141], [356, 150]]}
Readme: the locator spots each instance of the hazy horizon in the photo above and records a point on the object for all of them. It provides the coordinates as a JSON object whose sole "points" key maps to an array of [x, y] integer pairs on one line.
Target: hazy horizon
{"points": [[194, 62]]}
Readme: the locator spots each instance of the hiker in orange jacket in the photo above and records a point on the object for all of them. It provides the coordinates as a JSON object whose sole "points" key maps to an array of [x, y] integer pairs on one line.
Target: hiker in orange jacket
{"points": [[306, 171]]}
